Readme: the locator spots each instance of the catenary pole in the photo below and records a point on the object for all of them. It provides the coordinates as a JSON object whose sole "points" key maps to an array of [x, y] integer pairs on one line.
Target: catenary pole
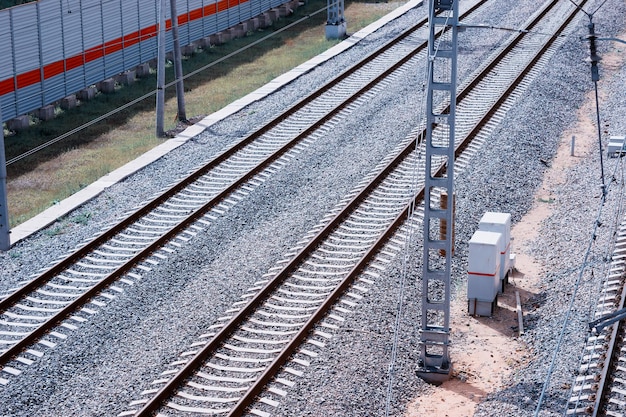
{"points": [[178, 65], [160, 95], [5, 243]]}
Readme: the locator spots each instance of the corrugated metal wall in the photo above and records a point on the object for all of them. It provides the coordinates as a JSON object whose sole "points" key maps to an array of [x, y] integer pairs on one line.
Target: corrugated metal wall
{"points": [[53, 48]]}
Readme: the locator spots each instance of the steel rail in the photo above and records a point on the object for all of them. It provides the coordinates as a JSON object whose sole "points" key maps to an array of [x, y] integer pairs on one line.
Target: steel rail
{"points": [[246, 311], [15, 297], [270, 372], [68, 310], [11, 299], [612, 355]]}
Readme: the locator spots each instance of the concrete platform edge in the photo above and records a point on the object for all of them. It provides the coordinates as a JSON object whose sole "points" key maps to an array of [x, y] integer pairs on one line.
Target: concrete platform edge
{"points": [[52, 214]]}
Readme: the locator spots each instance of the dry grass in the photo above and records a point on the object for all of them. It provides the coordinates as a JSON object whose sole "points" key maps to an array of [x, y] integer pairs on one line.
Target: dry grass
{"points": [[34, 186]]}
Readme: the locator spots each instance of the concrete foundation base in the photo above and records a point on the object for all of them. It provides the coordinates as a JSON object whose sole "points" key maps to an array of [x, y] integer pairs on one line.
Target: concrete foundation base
{"points": [[18, 124], [68, 102], [273, 14], [125, 78], [45, 113], [336, 31], [106, 86], [142, 70], [86, 94], [284, 10], [435, 376], [265, 20], [480, 308], [187, 50], [236, 32]]}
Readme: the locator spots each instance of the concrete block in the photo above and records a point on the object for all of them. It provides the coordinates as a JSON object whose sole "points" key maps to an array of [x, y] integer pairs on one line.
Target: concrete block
{"points": [[245, 26], [86, 94], [18, 124], [274, 14], [188, 50], [236, 32], [480, 308], [142, 70], [216, 39], [264, 20], [68, 102], [221, 37], [126, 78], [106, 86], [253, 23], [336, 31], [284, 10], [45, 113], [203, 43]]}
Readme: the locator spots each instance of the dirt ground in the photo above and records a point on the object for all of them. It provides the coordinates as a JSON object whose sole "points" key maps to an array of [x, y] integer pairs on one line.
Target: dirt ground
{"points": [[485, 350]]}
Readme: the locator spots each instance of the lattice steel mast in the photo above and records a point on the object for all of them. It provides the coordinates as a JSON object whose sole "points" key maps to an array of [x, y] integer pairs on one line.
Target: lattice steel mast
{"points": [[435, 362]]}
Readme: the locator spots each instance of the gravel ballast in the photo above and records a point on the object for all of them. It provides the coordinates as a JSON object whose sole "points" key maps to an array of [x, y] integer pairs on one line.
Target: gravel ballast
{"points": [[105, 364]]}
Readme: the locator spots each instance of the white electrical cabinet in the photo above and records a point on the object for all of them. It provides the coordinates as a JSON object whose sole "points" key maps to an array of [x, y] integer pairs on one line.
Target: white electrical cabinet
{"points": [[500, 223], [617, 146], [483, 272]]}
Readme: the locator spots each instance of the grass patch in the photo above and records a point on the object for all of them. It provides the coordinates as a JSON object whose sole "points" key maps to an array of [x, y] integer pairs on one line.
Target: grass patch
{"points": [[55, 173]]}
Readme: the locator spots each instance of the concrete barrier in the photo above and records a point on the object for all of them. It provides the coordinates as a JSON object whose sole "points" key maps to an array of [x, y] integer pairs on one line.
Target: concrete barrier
{"points": [[126, 78], [188, 50], [68, 102], [86, 94], [19, 124], [142, 70], [106, 86]]}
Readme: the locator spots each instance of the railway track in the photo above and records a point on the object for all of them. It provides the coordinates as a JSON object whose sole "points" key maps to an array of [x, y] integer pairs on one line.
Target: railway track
{"points": [[34, 316], [600, 387], [248, 360]]}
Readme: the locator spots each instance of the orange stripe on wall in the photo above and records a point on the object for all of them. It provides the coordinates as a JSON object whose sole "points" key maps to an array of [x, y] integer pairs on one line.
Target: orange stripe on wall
{"points": [[53, 69], [97, 52], [7, 86], [113, 46], [195, 14], [131, 39], [29, 78], [92, 54], [74, 62]]}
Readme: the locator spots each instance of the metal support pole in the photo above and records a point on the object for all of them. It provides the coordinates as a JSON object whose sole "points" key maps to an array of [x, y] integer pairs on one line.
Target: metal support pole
{"points": [[160, 95], [595, 77], [178, 66], [5, 243], [434, 364], [595, 83]]}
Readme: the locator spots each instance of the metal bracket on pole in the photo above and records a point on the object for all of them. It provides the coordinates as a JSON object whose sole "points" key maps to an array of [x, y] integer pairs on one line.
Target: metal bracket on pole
{"points": [[5, 243], [435, 365], [598, 325]]}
